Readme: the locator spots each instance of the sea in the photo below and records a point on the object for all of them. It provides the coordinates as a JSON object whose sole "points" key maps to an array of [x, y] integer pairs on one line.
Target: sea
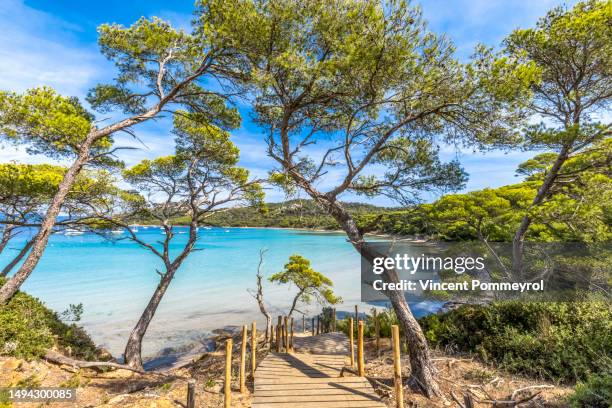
{"points": [[113, 277]]}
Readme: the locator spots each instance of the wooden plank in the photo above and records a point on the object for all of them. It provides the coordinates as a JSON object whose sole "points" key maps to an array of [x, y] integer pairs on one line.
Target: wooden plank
{"points": [[304, 380]]}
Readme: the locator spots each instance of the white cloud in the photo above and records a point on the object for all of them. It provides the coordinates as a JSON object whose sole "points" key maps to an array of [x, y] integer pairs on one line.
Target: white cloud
{"points": [[469, 22], [39, 49]]}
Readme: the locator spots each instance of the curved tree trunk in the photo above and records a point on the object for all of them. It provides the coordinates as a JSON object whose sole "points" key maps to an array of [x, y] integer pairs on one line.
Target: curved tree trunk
{"points": [[42, 238], [294, 303], [543, 192], [7, 234], [260, 297], [17, 258], [517, 246], [262, 306], [39, 242], [421, 366], [133, 349]]}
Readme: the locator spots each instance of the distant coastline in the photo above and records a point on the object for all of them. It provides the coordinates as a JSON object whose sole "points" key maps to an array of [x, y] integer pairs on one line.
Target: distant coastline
{"points": [[406, 238]]}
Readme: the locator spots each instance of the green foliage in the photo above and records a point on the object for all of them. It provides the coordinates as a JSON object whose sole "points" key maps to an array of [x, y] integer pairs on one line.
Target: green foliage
{"points": [[370, 79], [595, 392], [484, 214], [201, 175], [310, 283], [412, 164], [28, 329], [29, 182], [562, 342], [386, 319], [46, 122], [571, 49]]}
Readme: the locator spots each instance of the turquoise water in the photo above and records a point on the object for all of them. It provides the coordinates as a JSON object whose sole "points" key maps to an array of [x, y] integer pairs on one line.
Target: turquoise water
{"points": [[115, 278]]}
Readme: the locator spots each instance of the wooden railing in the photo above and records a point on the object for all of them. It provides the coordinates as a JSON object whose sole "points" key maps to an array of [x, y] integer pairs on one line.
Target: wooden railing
{"points": [[281, 340]]}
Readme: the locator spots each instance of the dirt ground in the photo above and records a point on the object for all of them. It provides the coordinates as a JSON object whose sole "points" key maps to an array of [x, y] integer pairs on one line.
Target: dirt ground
{"points": [[458, 376]]}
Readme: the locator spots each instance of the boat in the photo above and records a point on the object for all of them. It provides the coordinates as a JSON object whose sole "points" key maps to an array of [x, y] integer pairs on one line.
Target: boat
{"points": [[73, 231], [117, 232]]}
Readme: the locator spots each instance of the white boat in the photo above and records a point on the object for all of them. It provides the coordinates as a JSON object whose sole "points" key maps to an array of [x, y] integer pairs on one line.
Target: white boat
{"points": [[73, 231], [117, 232]]}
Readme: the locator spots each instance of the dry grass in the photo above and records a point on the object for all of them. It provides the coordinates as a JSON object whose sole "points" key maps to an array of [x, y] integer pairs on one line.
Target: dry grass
{"points": [[459, 375]]}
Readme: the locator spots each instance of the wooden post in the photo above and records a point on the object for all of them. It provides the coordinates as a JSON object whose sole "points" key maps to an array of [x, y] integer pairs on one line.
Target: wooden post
{"points": [[272, 330], [243, 359], [356, 313], [313, 326], [228, 373], [468, 401], [351, 342], [286, 334], [253, 349], [191, 393], [334, 319], [278, 338], [397, 367], [360, 359], [291, 336], [377, 332], [303, 324], [318, 325]]}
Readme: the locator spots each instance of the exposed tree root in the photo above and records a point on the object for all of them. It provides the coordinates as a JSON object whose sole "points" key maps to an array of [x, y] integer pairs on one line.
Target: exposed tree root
{"points": [[58, 358]]}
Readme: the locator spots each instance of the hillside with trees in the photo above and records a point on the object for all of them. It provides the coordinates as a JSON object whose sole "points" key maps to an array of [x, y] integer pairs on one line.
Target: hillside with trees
{"points": [[297, 213]]}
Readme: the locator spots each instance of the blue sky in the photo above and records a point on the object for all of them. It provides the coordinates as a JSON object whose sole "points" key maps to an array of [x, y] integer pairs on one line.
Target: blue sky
{"points": [[54, 43]]}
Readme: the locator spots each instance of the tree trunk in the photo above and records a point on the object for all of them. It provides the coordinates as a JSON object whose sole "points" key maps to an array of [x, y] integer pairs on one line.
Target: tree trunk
{"points": [[543, 192], [260, 298], [42, 238], [39, 242], [17, 258], [422, 368], [6, 236], [133, 349], [294, 303], [517, 246]]}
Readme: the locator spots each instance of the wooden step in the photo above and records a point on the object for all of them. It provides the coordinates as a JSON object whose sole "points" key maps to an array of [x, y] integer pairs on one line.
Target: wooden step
{"points": [[311, 378]]}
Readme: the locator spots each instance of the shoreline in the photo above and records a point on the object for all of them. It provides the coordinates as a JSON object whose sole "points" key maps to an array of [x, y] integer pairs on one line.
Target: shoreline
{"points": [[406, 238]]}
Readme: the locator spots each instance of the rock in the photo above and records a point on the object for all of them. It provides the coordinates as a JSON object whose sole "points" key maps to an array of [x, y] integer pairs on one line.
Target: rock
{"points": [[105, 355], [117, 399]]}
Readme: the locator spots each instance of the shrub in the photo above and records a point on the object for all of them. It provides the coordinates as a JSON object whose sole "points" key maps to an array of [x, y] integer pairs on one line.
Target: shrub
{"points": [[595, 392], [386, 319], [28, 329], [564, 342]]}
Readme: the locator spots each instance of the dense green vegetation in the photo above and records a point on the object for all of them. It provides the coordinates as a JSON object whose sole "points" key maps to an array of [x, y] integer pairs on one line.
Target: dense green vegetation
{"points": [[595, 392], [563, 342], [296, 213], [28, 329]]}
